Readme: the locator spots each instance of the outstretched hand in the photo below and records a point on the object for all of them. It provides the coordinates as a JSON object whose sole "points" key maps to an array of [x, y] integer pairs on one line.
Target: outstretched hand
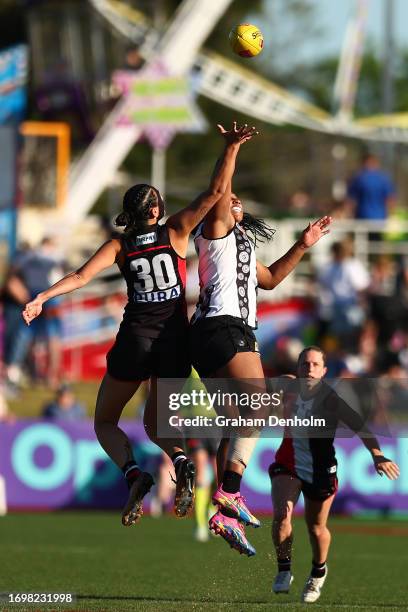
{"points": [[386, 466], [314, 231], [32, 310], [237, 135]]}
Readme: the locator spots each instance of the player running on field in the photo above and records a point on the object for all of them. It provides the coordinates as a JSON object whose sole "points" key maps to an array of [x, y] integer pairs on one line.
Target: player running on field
{"points": [[307, 464], [222, 340], [152, 340]]}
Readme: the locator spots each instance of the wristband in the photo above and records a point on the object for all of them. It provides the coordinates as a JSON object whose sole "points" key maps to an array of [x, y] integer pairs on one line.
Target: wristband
{"points": [[381, 459]]}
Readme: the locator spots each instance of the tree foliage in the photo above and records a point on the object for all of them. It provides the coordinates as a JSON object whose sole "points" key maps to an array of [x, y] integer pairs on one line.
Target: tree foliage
{"points": [[317, 82]]}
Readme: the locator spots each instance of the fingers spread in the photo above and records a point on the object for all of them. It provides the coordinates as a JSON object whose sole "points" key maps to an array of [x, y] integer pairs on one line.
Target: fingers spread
{"points": [[390, 469], [323, 221]]}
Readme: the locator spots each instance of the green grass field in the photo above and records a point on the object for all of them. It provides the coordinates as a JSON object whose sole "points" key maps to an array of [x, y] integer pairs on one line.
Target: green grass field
{"points": [[156, 565]]}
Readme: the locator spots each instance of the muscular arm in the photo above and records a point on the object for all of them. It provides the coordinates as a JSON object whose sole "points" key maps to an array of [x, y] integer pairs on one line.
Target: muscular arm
{"points": [[219, 220], [104, 257], [185, 220], [182, 223]]}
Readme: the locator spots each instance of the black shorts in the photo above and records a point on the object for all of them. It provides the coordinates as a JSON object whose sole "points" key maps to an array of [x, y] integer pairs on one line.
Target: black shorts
{"points": [[134, 357], [215, 340], [324, 487]]}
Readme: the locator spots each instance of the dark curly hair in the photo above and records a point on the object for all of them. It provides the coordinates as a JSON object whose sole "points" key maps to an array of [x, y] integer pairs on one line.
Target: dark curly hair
{"points": [[259, 229], [137, 202]]}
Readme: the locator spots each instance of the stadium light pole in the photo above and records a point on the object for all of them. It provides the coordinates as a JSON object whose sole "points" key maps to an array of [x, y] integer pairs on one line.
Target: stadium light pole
{"points": [[388, 92], [158, 172]]}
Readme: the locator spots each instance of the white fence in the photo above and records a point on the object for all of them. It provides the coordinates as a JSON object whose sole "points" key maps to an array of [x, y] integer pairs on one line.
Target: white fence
{"points": [[393, 240]]}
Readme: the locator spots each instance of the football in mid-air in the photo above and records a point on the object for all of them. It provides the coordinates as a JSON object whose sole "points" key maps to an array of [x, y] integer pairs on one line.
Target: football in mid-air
{"points": [[246, 40]]}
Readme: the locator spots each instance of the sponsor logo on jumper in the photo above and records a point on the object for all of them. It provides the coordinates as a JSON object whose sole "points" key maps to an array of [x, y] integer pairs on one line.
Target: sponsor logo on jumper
{"points": [[158, 296], [146, 238]]}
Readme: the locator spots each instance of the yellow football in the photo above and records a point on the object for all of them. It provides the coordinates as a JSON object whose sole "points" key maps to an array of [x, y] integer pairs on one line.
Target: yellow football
{"points": [[246, 40]]}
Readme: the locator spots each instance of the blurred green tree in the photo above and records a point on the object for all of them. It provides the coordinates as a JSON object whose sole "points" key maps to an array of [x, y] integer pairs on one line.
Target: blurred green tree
{"points": [[317, 82]]}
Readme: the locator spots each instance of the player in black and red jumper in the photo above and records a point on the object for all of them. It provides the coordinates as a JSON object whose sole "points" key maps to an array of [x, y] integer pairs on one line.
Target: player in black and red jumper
{"points": [[306, 463], [152, 341]]}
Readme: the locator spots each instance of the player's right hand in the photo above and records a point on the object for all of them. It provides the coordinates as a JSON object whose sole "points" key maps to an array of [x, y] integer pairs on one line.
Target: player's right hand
{"points": [[237, 135], [386, 466], [32, 310]]}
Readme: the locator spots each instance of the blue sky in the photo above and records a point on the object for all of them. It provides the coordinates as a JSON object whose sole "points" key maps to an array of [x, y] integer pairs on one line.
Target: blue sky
{"points": [[333, 17]]}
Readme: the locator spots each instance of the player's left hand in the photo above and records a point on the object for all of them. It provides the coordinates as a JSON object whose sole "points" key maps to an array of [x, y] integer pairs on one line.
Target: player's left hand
{"points": [[315, 231], [32, 310], [386, 466]]}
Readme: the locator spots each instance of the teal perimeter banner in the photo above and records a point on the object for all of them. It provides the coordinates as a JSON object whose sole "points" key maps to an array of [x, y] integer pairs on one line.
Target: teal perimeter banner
{"points": [[50, 465]]}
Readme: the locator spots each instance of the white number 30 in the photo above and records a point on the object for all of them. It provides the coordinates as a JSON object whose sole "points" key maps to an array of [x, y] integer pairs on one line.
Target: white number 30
{"points": [[163, 271]]}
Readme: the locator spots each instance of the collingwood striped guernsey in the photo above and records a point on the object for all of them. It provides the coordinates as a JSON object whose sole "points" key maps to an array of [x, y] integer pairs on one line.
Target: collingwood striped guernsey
{"points": [[227, 272]]}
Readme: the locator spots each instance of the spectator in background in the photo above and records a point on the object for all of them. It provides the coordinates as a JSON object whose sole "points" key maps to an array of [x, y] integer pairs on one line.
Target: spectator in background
{"points": [[133, 59], [371, 191], [341, 209], [392, 387], [164, 493], [363, 362], [402, 292], [14, 294], [35, 271], [342, 283], [385, 307], [336, 359], [301, 204], [65, 406]]}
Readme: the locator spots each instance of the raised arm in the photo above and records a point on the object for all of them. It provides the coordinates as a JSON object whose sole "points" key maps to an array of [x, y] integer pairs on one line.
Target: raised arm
{"points": [[220, 220], [104, 257], [182, 223], [270, 276]]}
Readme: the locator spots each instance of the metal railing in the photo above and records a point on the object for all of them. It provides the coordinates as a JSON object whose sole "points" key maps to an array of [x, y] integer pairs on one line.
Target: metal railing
{"points": [[369, 239]]}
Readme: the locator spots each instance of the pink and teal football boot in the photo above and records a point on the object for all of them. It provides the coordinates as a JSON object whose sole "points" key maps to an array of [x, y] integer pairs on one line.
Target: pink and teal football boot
{"points": [[235, 504], [233, 532]]}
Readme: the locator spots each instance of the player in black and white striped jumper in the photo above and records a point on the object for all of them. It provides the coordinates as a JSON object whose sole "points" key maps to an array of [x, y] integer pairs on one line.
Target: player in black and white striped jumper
{"points": [[222, 340]]}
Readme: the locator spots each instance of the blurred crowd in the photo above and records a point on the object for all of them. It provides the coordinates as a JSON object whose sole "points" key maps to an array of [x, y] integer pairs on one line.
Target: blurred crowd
{"points": [[370, 195], [361, 313]]}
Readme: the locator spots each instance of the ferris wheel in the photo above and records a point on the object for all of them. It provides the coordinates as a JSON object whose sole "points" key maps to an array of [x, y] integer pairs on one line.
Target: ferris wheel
{"points": [[219, 79]]}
